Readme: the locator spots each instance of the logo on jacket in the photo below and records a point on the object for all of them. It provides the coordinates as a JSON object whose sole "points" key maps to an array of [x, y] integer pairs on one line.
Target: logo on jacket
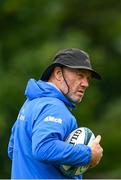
{"points": [[53, 119]]}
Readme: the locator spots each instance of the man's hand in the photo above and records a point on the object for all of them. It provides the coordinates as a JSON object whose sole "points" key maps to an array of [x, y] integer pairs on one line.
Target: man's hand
{"points": [[97, 152]]}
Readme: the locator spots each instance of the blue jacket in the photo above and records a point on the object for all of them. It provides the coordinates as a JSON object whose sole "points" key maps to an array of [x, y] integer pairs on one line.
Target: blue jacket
{"points": [[36, 145]]}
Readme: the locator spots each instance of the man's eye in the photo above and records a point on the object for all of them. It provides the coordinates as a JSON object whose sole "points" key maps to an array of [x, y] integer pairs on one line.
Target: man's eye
{"points": [[89, 78], [80, 75]]}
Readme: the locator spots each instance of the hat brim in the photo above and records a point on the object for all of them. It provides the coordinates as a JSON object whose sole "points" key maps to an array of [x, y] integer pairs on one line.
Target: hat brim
{"points": [[47, 72]]}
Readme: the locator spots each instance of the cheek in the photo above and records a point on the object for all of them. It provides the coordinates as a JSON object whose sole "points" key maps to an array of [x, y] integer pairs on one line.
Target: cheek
{"points": [[73, 84]]}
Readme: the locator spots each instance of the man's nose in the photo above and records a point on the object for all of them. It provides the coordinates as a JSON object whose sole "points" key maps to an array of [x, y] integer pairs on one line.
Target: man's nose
{"points": [[85, 83]]}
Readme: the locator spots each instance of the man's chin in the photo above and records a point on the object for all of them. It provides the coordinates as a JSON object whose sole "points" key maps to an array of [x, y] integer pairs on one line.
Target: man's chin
{"points": [[77, 101], [80, 100]]}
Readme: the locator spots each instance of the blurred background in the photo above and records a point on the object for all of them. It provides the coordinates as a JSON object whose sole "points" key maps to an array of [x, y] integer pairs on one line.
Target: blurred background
{"points": [[31, 32]]}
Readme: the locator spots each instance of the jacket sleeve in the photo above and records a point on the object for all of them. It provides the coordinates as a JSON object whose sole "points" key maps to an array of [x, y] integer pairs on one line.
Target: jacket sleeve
{"points": [[11, 143], [48, 135]]}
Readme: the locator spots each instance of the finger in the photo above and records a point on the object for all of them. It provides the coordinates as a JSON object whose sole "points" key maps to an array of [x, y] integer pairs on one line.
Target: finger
{"points": [[98, 139]]}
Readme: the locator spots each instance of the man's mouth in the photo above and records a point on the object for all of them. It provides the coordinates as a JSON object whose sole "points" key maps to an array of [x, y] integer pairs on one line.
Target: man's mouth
{"points": [[81, 92]]}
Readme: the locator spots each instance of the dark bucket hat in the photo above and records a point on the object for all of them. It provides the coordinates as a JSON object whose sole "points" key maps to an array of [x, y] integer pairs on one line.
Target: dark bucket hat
{"points": [[72, 58]]}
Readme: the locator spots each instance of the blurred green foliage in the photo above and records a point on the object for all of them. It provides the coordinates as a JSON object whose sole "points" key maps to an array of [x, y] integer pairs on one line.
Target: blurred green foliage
{"points": [[31, 32]]}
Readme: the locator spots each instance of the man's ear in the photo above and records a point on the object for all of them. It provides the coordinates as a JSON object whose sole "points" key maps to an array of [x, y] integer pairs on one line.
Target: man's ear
{"points": [[58, 73]]}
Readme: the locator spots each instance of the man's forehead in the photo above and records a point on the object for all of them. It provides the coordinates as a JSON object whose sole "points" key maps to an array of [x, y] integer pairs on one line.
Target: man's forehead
{"points": [[84, 71]]}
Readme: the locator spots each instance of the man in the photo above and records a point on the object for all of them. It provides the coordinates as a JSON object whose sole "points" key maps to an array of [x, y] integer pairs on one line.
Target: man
{"points": [[36, 145]]}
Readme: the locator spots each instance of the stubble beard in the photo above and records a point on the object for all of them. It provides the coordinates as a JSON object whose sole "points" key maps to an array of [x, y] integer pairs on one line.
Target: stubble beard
{"points": [[74, 100], [66, 92]]}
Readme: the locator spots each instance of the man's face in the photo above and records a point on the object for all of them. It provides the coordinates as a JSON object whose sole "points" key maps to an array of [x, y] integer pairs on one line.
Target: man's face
{"points": [[78, 81]]}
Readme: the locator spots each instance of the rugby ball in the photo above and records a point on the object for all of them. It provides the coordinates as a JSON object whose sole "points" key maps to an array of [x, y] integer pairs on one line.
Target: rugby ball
{"points": [[82, 135]]}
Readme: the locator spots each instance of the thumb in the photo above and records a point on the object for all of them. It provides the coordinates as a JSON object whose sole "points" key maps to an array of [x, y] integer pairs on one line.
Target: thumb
{"points": [[98, 139]]}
